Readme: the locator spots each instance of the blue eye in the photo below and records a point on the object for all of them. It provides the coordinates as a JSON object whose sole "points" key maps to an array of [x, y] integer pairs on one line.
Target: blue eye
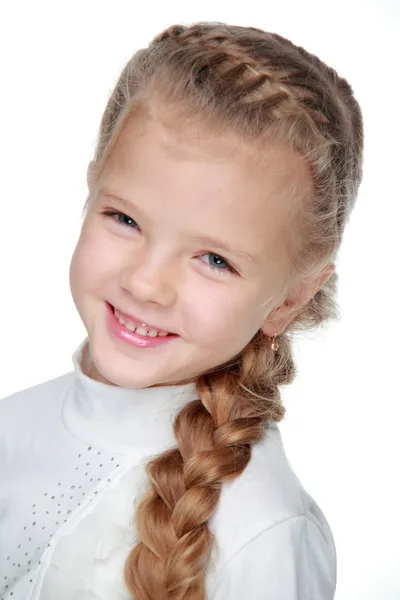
{"points": [[121, 218], [218, 263]]}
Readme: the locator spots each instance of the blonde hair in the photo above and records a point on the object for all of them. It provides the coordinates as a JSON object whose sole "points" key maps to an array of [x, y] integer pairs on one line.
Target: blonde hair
{"points": [[262, 87]]}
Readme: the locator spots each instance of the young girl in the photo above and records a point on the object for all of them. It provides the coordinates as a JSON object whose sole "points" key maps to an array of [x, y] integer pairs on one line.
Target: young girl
{"points": [[228, 162]]}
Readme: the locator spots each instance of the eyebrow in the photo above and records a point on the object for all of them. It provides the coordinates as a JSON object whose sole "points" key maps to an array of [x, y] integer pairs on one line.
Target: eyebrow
{"points": [[103, 193], [201, 239]]}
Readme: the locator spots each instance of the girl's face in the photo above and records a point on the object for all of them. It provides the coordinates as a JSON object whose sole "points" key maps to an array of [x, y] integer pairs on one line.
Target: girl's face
{"points": [[188, 235]]}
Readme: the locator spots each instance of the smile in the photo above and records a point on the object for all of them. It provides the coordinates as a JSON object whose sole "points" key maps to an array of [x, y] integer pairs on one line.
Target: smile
{"points": [[140, 329], [133, 333]]}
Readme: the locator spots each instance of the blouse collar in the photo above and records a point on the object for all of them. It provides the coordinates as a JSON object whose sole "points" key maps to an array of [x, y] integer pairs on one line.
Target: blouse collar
{"points": [[120, 420]]}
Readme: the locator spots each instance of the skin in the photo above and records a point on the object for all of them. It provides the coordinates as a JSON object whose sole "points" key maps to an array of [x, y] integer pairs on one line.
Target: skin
{"points": [[179, 186]]}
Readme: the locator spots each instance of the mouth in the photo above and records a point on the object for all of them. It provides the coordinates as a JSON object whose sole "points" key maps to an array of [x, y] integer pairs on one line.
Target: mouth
{"points": [[135, 325]]}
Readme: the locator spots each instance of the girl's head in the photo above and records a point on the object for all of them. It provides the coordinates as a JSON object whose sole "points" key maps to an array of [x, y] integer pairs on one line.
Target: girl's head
{"points": [[197, 244], [227, 164]]}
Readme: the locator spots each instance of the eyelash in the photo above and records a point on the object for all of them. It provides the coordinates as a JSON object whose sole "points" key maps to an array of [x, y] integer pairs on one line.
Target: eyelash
{"points": [[229, 270]]}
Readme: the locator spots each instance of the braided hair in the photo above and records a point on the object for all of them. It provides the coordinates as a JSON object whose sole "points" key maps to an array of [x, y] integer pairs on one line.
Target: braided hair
{"points": [[263, 88]]}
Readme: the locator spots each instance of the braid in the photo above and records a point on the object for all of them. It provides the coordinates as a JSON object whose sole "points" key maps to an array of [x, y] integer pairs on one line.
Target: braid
{"points": [[263, 88], [214, 434], [273, 81]]}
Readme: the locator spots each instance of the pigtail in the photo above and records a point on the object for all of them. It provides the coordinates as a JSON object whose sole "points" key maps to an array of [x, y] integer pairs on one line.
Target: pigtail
{"points": [[214, 434]]}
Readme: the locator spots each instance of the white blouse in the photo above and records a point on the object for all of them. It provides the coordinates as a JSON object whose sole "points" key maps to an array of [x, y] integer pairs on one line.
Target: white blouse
{"points": [[72, 470]]}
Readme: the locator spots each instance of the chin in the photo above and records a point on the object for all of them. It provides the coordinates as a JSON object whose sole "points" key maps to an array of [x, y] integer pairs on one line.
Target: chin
{"points": [[119, 372], [109, 365]]}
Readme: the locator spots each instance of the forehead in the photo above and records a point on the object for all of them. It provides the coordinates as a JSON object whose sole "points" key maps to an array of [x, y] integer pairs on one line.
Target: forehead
{"points": [[216, 184]]}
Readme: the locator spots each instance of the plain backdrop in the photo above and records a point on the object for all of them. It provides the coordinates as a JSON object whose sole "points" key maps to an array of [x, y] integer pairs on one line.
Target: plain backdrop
{"points": [[59, 62]]}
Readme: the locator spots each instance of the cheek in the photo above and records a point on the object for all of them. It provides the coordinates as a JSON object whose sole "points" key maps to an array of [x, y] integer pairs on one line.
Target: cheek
{"points": [[90, 263], [75, 276], [228, 315]]}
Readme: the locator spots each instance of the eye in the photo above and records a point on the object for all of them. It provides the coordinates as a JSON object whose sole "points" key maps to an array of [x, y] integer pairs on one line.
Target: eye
{"points": [[121, 218], [218, 263]]}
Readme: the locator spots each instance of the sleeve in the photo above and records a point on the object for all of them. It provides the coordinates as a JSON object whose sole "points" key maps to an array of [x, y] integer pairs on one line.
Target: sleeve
{"points": [[290, 561]]}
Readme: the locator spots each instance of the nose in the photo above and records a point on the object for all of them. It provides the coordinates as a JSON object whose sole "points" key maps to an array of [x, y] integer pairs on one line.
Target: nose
{"points": [[151, 280]]}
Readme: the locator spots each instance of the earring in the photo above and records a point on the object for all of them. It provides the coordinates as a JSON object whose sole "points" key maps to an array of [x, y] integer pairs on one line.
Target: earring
{"points": [[274, 344]]}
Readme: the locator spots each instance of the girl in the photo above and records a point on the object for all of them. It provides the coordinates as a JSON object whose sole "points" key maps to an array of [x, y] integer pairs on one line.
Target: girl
{"points": [[227, 164]]}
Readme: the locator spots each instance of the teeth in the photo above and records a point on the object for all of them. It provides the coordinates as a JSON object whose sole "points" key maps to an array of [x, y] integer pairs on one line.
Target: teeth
{"points": [[139, 330]]}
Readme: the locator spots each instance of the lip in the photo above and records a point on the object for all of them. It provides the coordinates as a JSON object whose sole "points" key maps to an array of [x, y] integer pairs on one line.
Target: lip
{"points": [[133, 338]]}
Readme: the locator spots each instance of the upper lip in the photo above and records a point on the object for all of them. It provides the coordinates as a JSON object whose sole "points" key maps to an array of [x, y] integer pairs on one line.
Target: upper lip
{"points": [[139, 322]]}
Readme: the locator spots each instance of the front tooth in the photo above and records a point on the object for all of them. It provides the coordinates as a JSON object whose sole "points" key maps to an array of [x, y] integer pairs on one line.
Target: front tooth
{"points": [[141, 331]]}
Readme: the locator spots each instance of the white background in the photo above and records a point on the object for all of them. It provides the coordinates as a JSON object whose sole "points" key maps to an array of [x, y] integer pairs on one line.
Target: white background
{"points": [[59, 62]]}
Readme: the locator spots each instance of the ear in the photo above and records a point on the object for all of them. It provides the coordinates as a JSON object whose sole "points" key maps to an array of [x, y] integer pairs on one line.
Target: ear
{"points": [[279, 319], [90, 175]]}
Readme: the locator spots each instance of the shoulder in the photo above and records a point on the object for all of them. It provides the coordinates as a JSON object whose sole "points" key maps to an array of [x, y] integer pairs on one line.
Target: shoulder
{"points": [[267, 496], [27, 405], [271, 537], [287, 561], [27, 418]]}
